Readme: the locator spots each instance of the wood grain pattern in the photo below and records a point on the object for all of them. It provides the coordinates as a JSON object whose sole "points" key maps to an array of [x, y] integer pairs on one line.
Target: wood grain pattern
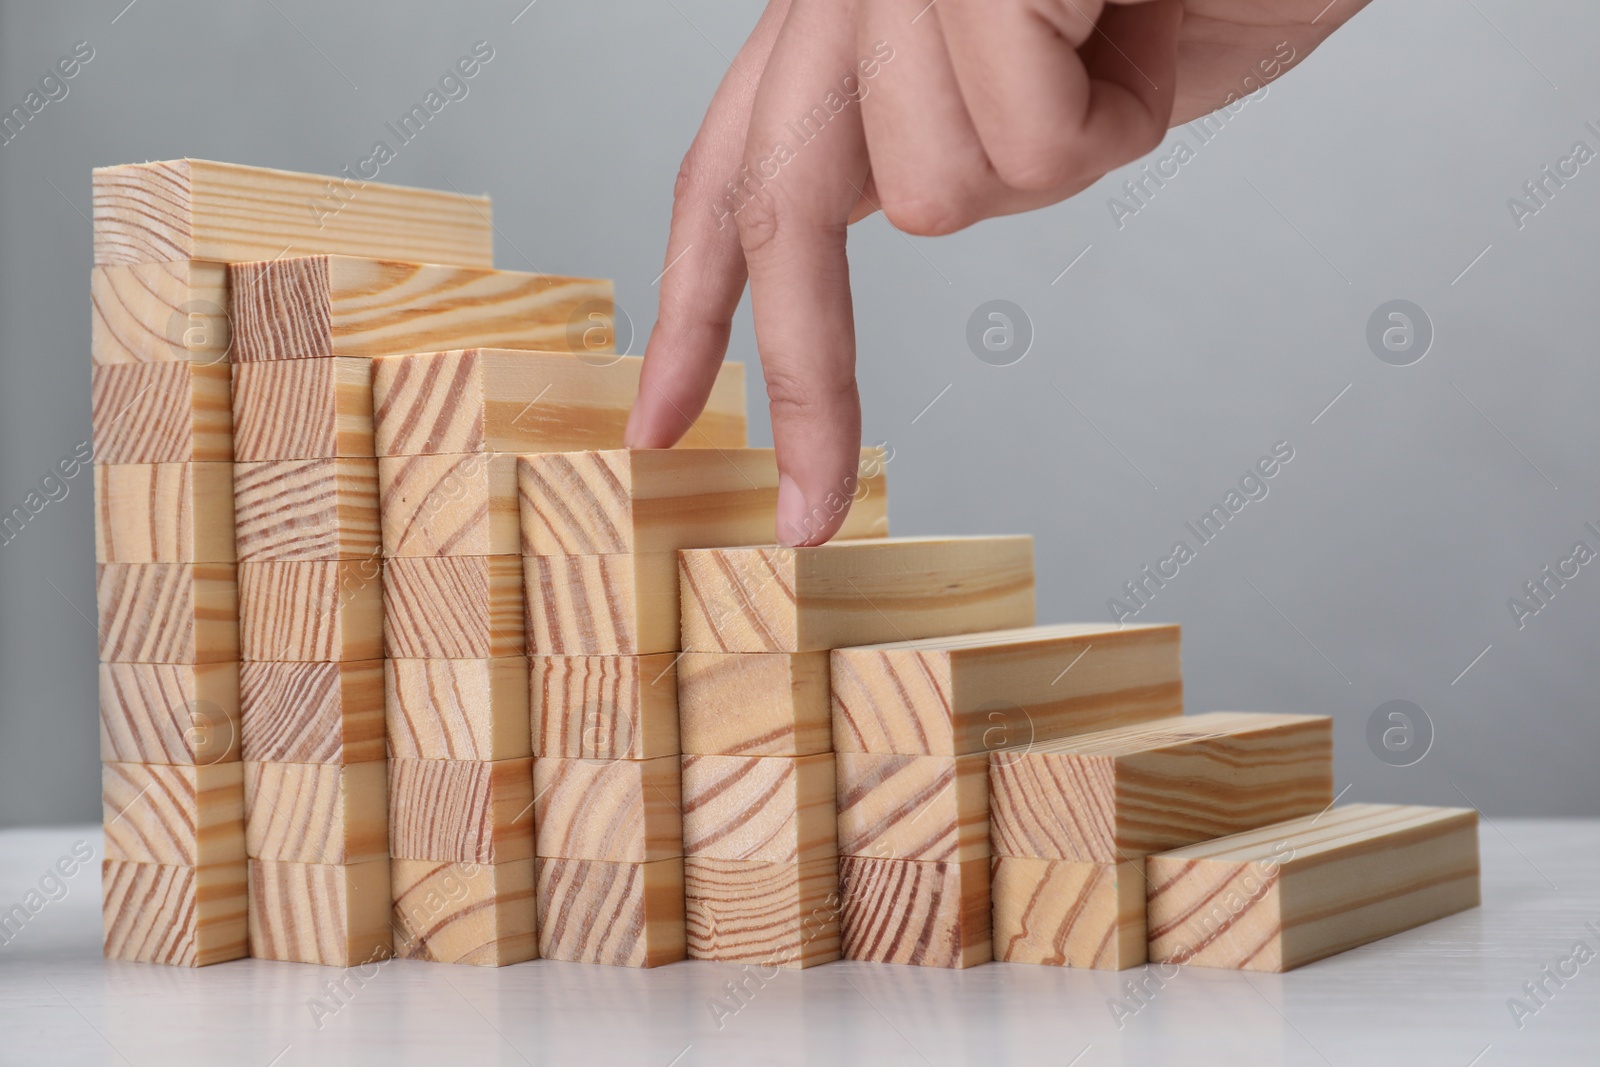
{"points": [[1119, 794], [1285, 895], [197, 209], [618, 914], [303, 409], [307, 509], [161, 413], [453, 607], [181, 713], [471, 913], [776, 808], [311, 611], [316, 812], [333, 914], [918, 912], [772, 599], [449, 505], [181, 916], [167, 612], [163, 513], [604, 707], [620, 605], [1063, 913], [158, 313], [312, 712], [754, 703], [986, 691], [625, 811], [459, 709], [461, 811], [773, 914], [176, 815], [913, 807], [488, 400]]}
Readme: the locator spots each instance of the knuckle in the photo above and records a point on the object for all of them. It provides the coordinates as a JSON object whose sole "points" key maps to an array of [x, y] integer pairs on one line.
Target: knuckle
{"points": [[761, 216], [927, 215], [1038, 166], [794, 396]]}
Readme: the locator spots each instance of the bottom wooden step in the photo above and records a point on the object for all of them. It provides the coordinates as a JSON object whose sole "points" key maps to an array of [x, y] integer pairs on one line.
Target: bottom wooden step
{"points": [[333, 914], [475, 913], [161, 913], [923, 912], [778, 914], [1065, 913], [620, 914]]}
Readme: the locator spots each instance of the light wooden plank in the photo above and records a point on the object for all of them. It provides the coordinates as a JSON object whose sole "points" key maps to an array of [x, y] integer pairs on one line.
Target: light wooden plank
{"points": [[604, 707], [303, 409], [618, 914], [167, 612], [619, 605], [479, 914], [307, 509], [776, 808], [756, 911], [159, 313], [919, 912], [754, 703], [458, 709], [182, 916], [176, 815], [161, 413], [333, 914], [913, 807], [181, 713], [625, 811], [311, 611], [316, 812], [312, 712], [449, 505], [163, 513], [461, 811], [1065, 913], [453, 607]]}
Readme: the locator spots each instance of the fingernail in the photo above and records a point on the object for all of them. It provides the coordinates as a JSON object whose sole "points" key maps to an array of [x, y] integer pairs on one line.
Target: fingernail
{"points": [[791, 513], [630, 432]]}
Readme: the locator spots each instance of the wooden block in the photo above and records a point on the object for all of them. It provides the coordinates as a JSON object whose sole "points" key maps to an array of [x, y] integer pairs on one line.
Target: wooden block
{"points": [[183, 916], [180, 816], [311, 611], [773, 599], [981, 692], [161, 413], [774, 914], [474, 913], [619, 914], [167, 612], [159, 313], [333, 914], [316, 812], [461, 811], [921, 912], [197, 209], [307, 509], [303, 409], [181, 713], [451, 505], [754, 703], [312, 712], [1285, 895], [625, 811], [621, 605], [488, 400], [913, 807], [1120, 794], [458, 709], [663, 500], [605, 707], [1064, 913], [775, 808], [453, 607], [163, 513]]}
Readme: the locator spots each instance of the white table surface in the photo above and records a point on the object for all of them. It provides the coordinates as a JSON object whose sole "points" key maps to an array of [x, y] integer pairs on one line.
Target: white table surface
{"points": [[1436, 995]]}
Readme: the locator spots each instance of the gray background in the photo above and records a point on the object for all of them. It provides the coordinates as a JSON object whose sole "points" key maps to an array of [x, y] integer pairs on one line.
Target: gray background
{"points": [[1222, 318]]}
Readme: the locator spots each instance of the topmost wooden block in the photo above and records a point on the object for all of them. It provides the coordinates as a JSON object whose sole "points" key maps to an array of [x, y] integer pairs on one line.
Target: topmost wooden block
{"points": [[226, 213]]}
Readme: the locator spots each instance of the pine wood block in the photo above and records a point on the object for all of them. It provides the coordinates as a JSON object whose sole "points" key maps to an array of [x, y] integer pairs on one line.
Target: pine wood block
{"points": [[453, 607], [311, 611], [774, 599], [926, 913], [161, 413], [303, 409], [754, 703], [167, 612], [605, 707], [776, 808], [489, 400], [774, 914], [981, 692], [461, 811], [458, 709], [622, 811], [913, 807], [316, 812], [1064, 913], [186, 816], [312, 712], [619, 605], [179, 713], [307, 509], [1281, 896], [333, 914], [182, 916], [1120, 794], [159, 313], [619, 914], [473, 913], [163, 513], [449, 505], [197, 209]]}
